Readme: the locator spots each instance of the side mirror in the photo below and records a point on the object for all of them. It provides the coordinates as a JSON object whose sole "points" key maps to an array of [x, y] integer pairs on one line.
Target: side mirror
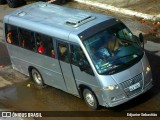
{"points": [[85, 68], [141, 38]]}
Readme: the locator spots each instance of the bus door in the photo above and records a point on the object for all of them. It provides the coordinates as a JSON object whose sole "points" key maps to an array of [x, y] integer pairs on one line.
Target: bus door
{"points": [[64, 60], [82, 70]]}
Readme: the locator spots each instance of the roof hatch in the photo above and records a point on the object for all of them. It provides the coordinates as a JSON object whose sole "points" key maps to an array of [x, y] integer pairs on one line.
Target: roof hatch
{"points": [[22, 13], [79, 19]]}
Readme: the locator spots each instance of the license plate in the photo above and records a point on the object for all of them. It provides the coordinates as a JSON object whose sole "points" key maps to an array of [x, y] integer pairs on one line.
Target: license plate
{"points": [[135, 86]]}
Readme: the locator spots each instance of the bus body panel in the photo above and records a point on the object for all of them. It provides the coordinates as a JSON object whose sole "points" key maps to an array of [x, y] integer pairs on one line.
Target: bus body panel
{"points": [[48, 67]]}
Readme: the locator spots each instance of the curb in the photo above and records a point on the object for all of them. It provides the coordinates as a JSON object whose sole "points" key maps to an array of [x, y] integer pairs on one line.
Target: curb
{"points": [[120, 10]]}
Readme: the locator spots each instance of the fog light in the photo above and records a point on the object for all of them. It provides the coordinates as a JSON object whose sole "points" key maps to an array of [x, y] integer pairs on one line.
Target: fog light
{"points": [[119, 97]]}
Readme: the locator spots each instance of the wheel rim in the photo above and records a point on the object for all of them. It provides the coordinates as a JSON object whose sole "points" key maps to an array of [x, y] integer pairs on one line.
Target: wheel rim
{"points": [[90, 99], [37, 77]]}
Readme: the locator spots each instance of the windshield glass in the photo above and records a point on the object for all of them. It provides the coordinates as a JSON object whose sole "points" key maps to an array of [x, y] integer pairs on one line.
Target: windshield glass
{"points": [[112, 48]]}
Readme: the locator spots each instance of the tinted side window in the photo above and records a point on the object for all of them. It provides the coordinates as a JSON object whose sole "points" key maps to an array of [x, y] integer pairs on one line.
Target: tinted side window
{"points": [[79, 59], [44, 45], [125, 34], [78, 56], [12, 35], [27, 39]]}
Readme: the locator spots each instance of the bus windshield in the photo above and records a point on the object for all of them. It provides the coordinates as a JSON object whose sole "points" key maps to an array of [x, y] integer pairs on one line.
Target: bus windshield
{"points": [[113, 48]]}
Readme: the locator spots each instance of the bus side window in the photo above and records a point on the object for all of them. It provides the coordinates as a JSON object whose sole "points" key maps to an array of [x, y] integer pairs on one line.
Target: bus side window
{"points": [[45, 45], [78, 57], [26, 39], [12, 35], [63, 52]]}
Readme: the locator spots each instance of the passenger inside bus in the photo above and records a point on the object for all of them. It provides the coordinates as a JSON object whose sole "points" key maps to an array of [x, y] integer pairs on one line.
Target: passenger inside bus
{"points": [[9, 39], [41, 48], [12, 37], [63, 52], [40, 44], [22, 43], [52, 53]]}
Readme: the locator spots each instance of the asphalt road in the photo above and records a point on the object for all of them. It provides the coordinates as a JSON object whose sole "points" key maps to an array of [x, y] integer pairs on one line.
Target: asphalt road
{"points": [[23, 95]]}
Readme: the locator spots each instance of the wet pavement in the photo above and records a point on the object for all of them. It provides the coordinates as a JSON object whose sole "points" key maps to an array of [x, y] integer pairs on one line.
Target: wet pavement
{"points": [[5, 60], [36, 99], [21, 94]]}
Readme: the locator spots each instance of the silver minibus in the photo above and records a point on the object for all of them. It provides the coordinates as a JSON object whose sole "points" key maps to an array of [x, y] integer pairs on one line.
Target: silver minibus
{"points": [[89, 55]]}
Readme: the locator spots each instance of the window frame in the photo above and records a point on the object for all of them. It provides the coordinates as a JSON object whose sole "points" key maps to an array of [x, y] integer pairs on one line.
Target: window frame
{"points": [[53, 44], [53, 40], [6, 32], [32, 37], [58, 52]]}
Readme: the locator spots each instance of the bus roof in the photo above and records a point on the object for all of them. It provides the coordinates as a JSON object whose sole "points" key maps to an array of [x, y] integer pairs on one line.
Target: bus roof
{"points": [[50, 18]]}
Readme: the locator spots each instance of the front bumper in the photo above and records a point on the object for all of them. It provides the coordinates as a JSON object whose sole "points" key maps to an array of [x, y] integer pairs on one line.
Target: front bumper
{"points": [[122, 98]]}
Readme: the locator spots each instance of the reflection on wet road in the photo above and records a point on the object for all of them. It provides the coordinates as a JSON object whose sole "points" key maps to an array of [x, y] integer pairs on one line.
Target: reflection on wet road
{"points": [[34, 98], [8, 93]]}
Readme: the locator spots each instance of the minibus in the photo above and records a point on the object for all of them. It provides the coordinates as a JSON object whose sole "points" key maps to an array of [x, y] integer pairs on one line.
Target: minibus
{"points": [[89, 55]]}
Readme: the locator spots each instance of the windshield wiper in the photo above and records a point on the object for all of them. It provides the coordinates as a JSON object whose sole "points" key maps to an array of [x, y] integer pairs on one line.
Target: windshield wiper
{"points": [[128, 41], [131, 41], [114, 60]]}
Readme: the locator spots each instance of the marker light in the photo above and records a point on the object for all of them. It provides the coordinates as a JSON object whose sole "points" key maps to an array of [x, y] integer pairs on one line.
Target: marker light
{"points": [[148, 69]]}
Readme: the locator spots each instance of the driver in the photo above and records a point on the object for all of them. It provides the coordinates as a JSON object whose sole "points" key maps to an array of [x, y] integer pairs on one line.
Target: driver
{"points": [[114, 46]]}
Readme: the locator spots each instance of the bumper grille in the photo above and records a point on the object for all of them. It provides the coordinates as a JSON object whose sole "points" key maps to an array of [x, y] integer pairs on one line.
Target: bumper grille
{"points": [[125, 85]]}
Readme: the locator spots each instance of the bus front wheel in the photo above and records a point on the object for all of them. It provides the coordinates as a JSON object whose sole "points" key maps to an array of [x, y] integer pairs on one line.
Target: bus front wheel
{"points": [[90, 99], [37, 77]]}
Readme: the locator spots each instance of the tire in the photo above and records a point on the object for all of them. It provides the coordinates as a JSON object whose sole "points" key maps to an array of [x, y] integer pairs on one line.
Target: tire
{"points": [[3, 2], [13, 3], [22, 2], [63, 1], [90, 99], [37, 78], [42, 0], [59, 2]]}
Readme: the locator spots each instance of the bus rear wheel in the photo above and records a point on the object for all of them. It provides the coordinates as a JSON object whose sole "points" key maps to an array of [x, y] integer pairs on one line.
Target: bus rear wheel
{"points": [[90, 99], [37, 78]]}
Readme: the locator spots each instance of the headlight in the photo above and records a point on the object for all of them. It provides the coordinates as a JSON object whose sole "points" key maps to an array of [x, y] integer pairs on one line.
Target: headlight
{"points": [[111, 87], [148, 69]]}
